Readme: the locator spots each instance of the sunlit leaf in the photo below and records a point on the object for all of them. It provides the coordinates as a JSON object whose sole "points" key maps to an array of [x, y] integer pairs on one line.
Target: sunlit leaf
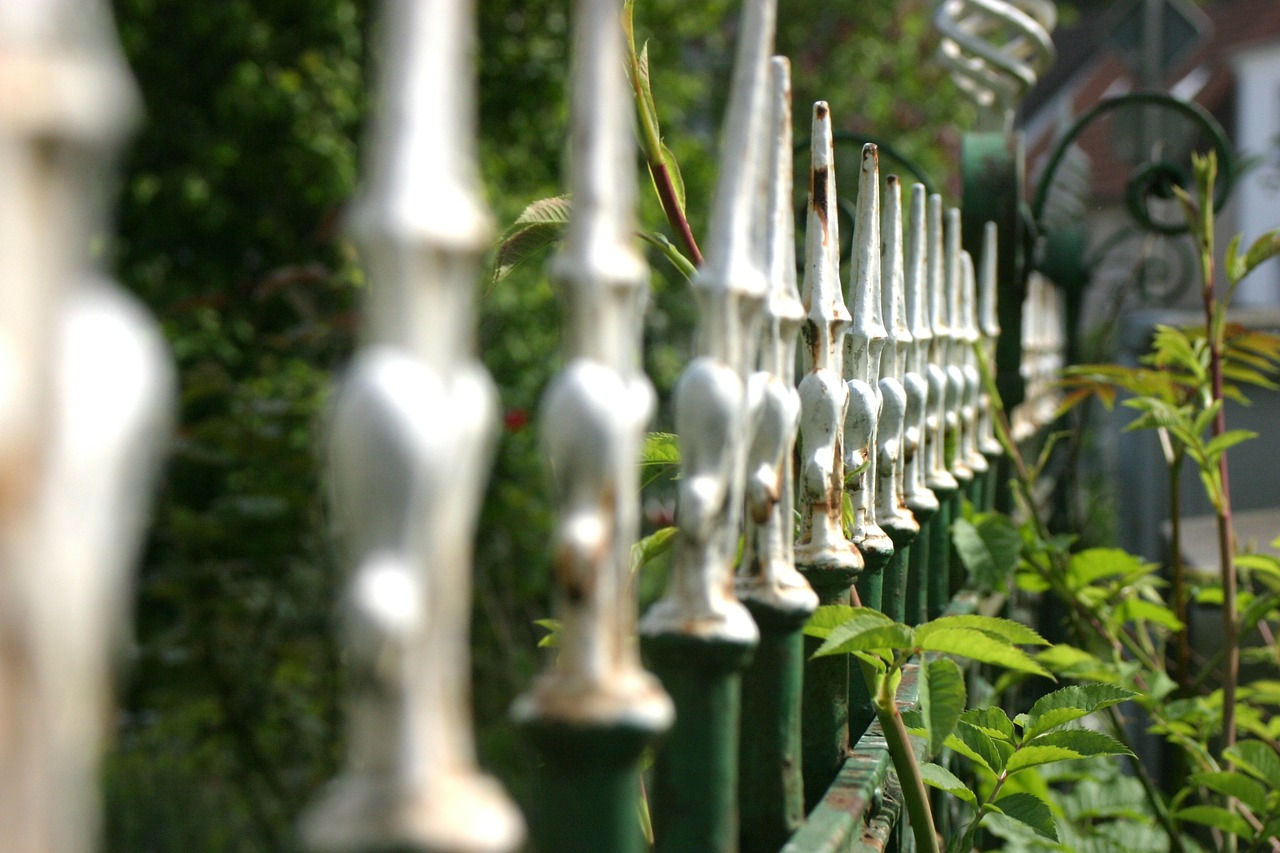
{"points": [[537, 227]]}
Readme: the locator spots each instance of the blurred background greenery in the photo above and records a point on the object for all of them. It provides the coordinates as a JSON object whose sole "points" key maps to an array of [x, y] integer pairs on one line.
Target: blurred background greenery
{"points": [[229, 226]]}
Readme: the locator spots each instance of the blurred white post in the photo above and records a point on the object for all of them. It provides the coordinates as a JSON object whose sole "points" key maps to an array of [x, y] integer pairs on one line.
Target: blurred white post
{"points": [[411, 436], [85, 406]]}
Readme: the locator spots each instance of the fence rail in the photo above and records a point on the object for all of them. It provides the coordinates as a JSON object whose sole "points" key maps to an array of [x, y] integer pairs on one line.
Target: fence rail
{"points": [[875, 447]]}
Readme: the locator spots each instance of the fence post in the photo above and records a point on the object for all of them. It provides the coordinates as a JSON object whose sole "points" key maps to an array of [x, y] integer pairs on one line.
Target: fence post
{"points": [[771, 793], [828, 560], [989, 327], [698, 637], [891, 510], [920, 500], [86, 392], [411, 434], [594, 710], [862, 372], [938, 478]]}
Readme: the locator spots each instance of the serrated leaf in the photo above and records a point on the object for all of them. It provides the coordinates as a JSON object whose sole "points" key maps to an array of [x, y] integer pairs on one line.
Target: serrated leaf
{"points": [[943, 779], [1071, 703], [1032, 756], [975, 645], [1218, 818], [973, 743], [660, 448], [1244, 789], [827, 617], [1084, 742], [1030, 810], [1002, 629], [993, 721], [1257, 759], [539, 225], [862, 634], [942, 700]]}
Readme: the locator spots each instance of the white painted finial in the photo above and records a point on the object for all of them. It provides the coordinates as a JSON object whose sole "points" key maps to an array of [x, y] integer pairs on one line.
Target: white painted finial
{"points": [[768, 574], [938, 477], [596, 410], [915, 381], [411, 437], [824, 395], [862, 362], [86, 393], [710, 396], [891, 510]]}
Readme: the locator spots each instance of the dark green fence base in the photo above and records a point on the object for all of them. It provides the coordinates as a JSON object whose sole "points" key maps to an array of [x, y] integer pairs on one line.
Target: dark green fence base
{"points": [[825, 696], [695, 772], [939, 573], [852, 814], [588, 787], [771, 790], [917, 586]]}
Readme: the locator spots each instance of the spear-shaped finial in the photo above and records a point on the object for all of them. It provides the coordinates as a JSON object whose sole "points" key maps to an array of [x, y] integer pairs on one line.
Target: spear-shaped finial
{"points": [[862, 366], [966, 338], [918, 497], [86, 392], [411, 435], [768, 574], [699, 636], [952, 344], [989, 328], [890, 508], [939, 477], [823, 393]]}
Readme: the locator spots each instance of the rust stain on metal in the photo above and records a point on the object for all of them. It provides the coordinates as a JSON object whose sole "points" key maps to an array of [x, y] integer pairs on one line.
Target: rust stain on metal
{"points": [[818, 191]]}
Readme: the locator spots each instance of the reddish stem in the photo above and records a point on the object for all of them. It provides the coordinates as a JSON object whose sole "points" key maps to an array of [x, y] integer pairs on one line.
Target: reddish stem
{"points": [[675, 213]]}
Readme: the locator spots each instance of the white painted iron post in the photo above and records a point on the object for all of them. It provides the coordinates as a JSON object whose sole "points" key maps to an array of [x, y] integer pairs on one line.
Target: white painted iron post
{"points": [[86, 392], [411, 436]]}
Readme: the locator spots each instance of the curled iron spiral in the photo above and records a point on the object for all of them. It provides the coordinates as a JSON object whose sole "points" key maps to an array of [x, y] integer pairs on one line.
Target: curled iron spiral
{"points": [[996, 49]]}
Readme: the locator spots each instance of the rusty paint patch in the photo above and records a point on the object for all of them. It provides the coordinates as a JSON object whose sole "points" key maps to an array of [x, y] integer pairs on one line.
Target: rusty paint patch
{"points": [[818, 195]]}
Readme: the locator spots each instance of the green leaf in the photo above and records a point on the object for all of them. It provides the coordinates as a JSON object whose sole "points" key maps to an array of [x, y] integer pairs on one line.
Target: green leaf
{"points": [[1257, 759], [1235, 265], [538, 226], [660, 448], [1141, 610], [1263, 249], [1219, 444], [650, 547], [1032, 756], [1237, 785], [943, 779], [993, 721], [989, 549], [864, 633], [1071, 703], [827, 617], [973, 743], [1083, 742], [552, 638], [1093, 564], [1031, 811], [984, 648], [993, 626], [942, 699], [1216, 817]]}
